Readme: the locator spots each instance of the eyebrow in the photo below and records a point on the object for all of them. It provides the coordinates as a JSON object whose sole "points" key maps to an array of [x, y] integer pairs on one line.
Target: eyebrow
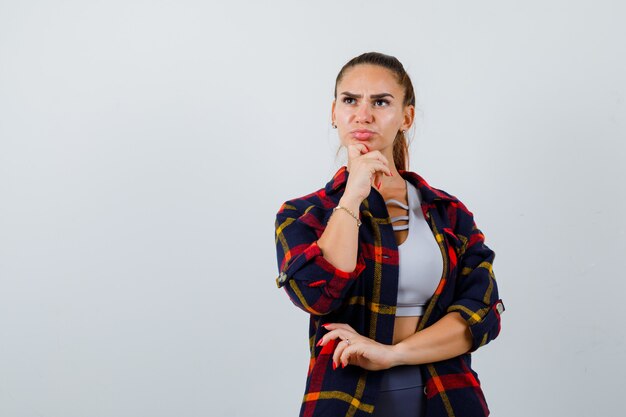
{"points": [[374, 96]]}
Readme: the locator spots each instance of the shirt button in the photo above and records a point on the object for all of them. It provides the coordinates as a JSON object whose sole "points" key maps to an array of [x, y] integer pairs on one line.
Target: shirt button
{"points": [[282, 277], [500, 307]]}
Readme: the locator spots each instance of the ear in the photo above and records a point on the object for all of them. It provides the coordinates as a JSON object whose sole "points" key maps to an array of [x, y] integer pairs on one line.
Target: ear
{"points": [[409, 116], [332, 111]]}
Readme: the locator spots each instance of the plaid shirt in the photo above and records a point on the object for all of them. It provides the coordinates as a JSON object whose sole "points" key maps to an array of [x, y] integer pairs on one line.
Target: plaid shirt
{"points": [[366, 297]]}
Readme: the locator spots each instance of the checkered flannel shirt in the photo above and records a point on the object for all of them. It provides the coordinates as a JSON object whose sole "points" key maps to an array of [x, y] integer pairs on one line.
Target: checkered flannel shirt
{"points": [[366, 297]]}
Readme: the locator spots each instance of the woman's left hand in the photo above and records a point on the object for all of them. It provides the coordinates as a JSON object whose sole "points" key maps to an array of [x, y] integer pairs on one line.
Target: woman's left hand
{"points": [[355, 349]]}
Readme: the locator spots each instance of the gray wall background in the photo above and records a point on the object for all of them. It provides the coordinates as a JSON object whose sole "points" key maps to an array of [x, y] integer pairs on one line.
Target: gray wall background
{"points": [[145, 147]]}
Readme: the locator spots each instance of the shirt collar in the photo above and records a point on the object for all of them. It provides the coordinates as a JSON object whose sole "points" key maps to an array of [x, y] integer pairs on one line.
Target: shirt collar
{"points": [[428, 193]]}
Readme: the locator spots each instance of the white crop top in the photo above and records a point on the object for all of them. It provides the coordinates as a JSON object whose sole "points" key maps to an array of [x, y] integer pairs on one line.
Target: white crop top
{"points": [[421, 261]]}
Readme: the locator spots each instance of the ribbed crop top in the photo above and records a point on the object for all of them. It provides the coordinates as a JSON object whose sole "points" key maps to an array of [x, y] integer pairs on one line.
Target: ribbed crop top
{"points": [[421, 261]]}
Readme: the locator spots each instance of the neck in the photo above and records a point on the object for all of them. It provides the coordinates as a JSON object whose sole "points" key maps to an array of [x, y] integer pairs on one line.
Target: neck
{"points": [[387, 180]]}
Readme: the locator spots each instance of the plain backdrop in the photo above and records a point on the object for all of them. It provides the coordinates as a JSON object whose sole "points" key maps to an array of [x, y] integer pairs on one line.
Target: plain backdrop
{"points": [[146, 146]]}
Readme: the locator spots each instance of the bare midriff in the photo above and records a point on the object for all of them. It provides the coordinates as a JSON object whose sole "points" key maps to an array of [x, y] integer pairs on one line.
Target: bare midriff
{"points": [[404, 326]]}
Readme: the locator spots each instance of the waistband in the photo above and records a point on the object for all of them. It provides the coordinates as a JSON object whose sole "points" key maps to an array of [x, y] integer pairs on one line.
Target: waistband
{"points": [[401, 377]]}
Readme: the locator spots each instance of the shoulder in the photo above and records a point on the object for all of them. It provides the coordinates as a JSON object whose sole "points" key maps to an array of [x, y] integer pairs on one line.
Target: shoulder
{"points": [[458, 217], [429, 193]]}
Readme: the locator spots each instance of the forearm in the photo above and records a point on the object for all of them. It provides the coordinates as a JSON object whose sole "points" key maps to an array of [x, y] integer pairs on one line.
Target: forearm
{"points": [[340, 239], [447, 338]]}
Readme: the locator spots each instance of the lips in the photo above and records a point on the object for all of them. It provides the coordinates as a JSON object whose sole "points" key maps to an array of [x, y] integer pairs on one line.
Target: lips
{"points": [[362, 134]]}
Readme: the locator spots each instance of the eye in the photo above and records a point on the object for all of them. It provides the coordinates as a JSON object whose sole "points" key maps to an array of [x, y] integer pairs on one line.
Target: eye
{"points": [[381, 102], [346, 100]]}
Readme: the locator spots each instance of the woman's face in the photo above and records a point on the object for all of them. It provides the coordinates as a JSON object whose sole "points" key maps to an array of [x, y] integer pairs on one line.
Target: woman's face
{"points": [[369, 108]]}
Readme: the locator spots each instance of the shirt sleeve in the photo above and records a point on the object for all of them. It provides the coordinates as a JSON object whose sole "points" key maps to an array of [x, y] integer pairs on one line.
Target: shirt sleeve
{"points": [[476, 291], [311, 281]]}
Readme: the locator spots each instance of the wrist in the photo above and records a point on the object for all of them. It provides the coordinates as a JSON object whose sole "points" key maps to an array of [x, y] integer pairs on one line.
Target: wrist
{"points": [[398, 355], [351, 203]]}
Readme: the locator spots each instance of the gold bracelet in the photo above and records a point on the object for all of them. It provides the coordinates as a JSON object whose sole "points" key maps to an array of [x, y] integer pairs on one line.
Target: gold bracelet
{"points": [[358, 222]]}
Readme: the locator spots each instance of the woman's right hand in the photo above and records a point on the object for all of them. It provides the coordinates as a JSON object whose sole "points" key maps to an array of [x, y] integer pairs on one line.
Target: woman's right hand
{"points": [[365, 170]]}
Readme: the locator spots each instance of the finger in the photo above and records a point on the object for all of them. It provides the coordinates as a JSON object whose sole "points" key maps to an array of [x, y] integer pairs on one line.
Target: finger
{"points": [[329, 326], [356, 150], [332, 335], [377, 170], [342, 354], [376, 165], [377, 155], [347, 353], [337, 353], [382, 167], [332, 326], [376, 180]]}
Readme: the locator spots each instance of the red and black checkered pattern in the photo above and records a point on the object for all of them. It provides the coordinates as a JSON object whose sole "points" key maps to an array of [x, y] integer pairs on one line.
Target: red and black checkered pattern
{"points": [[366, 297]]}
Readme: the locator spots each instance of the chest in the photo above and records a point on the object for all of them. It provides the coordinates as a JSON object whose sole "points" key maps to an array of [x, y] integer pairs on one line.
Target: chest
{"points": [[382, 248], [397, 203]]}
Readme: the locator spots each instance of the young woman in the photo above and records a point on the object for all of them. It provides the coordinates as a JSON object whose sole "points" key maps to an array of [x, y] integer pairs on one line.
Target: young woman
{"points": [[394, 273]]}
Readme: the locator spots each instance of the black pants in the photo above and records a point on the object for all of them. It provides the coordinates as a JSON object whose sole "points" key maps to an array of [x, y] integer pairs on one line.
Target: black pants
{"points": [[401, 393]]}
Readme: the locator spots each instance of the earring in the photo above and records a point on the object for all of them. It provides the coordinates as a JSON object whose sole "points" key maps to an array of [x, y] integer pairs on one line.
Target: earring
{"points": [[334, 126]]}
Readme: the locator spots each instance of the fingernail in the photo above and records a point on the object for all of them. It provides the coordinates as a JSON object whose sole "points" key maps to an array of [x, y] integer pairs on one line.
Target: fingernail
{"points": [[334, 365], [343, 365], [379, 184], [319, 343], [325, 324], [391, 173]]}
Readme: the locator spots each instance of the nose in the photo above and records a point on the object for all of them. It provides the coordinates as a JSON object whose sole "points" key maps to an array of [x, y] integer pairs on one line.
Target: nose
{"points": [[364, 113]]}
